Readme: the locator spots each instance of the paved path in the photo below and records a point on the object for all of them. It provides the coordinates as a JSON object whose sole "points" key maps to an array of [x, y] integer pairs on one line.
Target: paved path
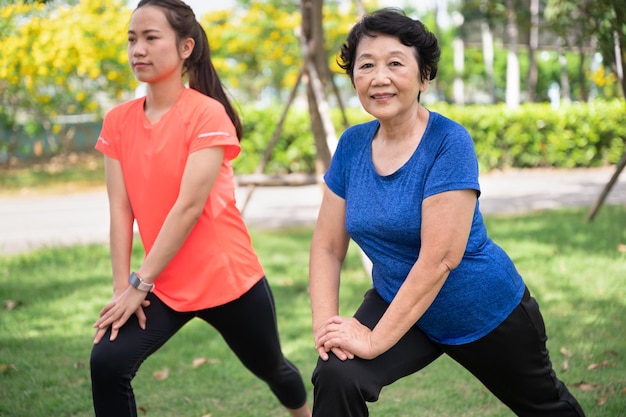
{"points": [[29, 222]]}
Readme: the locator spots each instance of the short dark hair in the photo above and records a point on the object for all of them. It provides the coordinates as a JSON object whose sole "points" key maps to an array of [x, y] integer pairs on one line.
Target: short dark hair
{"points": [[393, 22]]}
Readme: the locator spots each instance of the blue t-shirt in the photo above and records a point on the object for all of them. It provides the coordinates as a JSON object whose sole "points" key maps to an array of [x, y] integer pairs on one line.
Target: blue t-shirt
{"points": [[384, 214]]}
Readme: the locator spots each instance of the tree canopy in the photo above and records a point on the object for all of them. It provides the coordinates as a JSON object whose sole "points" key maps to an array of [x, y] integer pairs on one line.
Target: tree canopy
{"points": [[61, 59], [68, 57]]}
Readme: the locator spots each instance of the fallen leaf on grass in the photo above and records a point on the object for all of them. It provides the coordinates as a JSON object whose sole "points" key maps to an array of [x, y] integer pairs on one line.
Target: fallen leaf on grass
{"points": [[566, 352], [600, 365], [623, 392], [605, 396], [564, 366], [621, 248], [201, 361], [602, 399], [585, 387], [11, 304], [4, 367], [161, 375]]}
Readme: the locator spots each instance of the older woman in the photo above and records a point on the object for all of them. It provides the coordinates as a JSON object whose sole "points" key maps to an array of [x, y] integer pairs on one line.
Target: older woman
{"points": [[405, 188]]}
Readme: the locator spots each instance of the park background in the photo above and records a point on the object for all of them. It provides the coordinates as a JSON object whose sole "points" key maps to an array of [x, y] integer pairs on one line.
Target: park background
{"points": [[538, 83]]}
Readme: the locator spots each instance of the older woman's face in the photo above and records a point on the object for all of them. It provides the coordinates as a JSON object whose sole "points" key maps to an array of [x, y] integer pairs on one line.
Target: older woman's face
{"points": [[386, 76]]}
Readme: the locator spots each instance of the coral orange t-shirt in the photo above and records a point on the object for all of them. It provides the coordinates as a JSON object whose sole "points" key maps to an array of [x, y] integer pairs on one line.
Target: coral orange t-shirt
{"points": [[217, 263]]}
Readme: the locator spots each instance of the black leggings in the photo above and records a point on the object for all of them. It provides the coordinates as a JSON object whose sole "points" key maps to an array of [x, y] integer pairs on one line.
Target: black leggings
{"points": [[512, 362], [248, 325]]}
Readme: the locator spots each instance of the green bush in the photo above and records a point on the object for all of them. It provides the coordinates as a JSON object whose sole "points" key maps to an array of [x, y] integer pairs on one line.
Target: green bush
{"points": [[295, 150], [534, 135]]}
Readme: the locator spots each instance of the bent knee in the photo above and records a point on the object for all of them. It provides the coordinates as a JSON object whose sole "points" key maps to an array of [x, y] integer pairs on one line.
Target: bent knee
{"points": [[350, 377], [337, 372], [107, 362]]}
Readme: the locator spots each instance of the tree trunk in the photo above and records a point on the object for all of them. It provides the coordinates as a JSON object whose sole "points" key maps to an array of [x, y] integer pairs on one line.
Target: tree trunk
{"points": [[512, 61], [582, 76], [619, 63], [566, 93], [620, 46], [488, 54], [312, 44], [533, 44], [459, 65], [12, 127]]}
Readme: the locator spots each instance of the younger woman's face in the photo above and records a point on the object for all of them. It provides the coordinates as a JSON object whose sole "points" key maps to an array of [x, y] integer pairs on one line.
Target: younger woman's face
{"points": [[153, 51]]}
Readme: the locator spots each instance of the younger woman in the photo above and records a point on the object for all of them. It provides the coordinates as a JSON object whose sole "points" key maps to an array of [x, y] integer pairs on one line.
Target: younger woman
{"points": [[168, 167]]}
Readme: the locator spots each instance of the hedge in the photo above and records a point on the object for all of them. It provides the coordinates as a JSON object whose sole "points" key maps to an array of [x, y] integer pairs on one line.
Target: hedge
{"points": [[534, 135]]}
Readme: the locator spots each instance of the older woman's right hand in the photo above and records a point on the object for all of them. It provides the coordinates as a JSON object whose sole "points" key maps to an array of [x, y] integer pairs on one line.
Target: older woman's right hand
{"points": [[323, 347]]}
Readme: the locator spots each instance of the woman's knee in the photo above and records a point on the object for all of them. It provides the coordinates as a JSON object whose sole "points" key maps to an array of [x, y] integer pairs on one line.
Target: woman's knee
{"points": [[352, 375], [108, 362]]}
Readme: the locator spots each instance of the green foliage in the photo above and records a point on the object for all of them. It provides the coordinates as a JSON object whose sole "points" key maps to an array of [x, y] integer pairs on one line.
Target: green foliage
{"points": [[51, 297], [577, 22], [567, 28], [295, 150], [76, 52], [60, 59], [535, 135], [256, 48]]}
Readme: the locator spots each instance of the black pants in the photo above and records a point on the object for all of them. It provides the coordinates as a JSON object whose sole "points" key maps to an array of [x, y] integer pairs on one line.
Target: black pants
{"points": [[248, 325], [512, 362]]}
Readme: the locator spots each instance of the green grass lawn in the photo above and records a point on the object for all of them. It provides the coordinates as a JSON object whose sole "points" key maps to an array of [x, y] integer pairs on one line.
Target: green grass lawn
{"points": [[51, 297]]}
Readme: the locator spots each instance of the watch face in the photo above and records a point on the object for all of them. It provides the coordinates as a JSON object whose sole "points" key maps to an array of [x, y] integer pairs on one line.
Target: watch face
{"points": [[137, 283]]}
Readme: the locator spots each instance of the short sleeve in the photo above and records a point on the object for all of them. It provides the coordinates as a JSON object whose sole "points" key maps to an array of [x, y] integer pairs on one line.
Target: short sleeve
{"points": [[350, 156], [334, 177], [455, 166], [107, 140], [214, 128]]}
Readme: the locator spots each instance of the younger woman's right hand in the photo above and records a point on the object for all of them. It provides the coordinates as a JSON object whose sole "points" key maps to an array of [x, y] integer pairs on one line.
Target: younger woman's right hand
{"points": [[117, 312]]}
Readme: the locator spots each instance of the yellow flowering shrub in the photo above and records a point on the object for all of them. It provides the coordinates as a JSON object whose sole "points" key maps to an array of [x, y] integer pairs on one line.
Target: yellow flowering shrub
{"points": [[72, 52], [56, 60]]}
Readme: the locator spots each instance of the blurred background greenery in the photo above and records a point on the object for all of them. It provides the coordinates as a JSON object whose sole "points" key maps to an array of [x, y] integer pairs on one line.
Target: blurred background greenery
{"points": [[537, 82]]}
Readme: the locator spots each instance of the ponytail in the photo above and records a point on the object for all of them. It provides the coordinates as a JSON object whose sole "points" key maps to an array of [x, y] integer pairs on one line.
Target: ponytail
{"points": [[203, 76]]}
